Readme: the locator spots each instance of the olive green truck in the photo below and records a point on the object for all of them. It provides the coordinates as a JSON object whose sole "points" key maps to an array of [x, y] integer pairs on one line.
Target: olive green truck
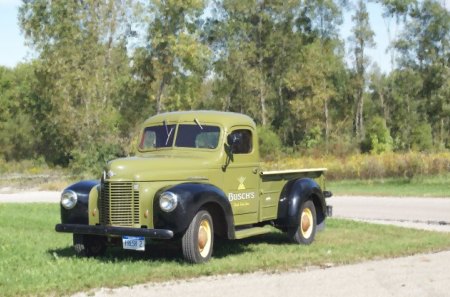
{"points": [[196, 175]]}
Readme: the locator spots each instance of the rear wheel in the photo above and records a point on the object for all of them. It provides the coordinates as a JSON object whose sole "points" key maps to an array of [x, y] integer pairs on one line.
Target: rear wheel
{"points": [[306, 230], [197, 242], [89, 245]]}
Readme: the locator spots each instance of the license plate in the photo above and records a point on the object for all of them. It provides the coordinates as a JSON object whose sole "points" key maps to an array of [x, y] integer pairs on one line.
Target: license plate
{"points": [[133, 243]]}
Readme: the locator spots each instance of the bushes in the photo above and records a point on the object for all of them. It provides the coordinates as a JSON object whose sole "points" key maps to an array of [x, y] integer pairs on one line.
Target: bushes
{"points": [[269, 143], [378, 138], [92, 161], [361, 166]]}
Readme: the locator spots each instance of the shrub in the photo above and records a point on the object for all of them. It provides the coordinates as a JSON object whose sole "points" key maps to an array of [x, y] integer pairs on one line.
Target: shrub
{"points": [[421, 138], [269, 143], [363, 166], [93, 160], [378, 138]]}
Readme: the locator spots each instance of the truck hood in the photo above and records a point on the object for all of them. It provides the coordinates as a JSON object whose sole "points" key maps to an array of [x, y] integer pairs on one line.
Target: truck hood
{"points": [[160, 167]]}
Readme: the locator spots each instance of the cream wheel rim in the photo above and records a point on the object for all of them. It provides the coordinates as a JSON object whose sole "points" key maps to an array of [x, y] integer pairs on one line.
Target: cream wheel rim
{"points": [[204, 238], [306, 223]]}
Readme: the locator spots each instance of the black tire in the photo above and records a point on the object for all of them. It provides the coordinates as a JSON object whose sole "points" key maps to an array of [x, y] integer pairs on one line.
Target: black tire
{"points": [[198, 240], [89, 245], [306, 230]]}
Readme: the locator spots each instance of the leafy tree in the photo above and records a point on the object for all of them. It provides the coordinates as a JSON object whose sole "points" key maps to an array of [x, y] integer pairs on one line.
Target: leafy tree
{"points": [[18, 134], [377, 139], [175, 54], [269, 143], [424, 49], [362, 38], [421, 137], [277, 62], [82, 63], [404, 88]]}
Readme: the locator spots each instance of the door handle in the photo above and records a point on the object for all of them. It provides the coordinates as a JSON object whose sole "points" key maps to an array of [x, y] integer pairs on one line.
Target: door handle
{"points": [[255, 170]]}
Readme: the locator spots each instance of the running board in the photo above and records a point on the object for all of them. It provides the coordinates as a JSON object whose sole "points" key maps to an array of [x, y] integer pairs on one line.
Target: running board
{"points": [[244, 233]]}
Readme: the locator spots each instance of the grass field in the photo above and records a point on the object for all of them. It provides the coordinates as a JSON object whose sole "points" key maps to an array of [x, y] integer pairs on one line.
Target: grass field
{"points": [[35, 260], [432, 186]]}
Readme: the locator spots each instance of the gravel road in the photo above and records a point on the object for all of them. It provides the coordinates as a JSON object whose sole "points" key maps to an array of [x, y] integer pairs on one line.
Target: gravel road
{"points": [[421, 213], [421, 275], [30, 197]]}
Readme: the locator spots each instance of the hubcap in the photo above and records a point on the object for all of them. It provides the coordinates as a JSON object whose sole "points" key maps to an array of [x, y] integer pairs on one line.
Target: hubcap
{"points": [[306, 223], [204, 238]]}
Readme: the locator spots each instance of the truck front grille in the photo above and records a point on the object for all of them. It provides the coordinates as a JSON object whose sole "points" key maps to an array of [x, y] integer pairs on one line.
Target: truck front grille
{"points": [[119, 204]]}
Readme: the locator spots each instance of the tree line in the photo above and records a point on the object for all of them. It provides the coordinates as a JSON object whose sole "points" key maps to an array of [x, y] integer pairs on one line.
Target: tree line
{"points": [[102, 67]]}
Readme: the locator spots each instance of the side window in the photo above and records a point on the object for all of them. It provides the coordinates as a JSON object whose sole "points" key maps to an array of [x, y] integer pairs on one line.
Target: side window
{"points": [[241, 141]]}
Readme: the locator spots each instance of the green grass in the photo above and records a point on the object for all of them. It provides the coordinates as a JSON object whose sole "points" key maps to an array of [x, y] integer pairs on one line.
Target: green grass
{"points": [[35, 260], [433, 186]]}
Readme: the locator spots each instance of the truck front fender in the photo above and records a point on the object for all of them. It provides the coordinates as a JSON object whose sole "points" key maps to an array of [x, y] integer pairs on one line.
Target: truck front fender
{"points": [[293, 195], [80, 213], [191, 198]]}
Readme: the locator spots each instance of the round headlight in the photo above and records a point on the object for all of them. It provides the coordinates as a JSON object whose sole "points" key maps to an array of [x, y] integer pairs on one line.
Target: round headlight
{"points": [[168, 201], [69, 199]]}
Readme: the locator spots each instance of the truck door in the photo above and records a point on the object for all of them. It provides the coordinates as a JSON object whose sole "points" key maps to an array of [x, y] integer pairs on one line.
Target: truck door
{"points": [[241, 175]]}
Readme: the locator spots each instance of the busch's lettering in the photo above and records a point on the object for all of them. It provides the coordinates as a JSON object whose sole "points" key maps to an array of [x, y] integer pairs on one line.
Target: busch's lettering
{"points": [[241, 196]]}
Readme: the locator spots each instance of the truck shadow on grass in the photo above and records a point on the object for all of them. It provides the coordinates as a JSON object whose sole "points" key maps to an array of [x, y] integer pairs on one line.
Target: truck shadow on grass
{"points": [[171, 250]]}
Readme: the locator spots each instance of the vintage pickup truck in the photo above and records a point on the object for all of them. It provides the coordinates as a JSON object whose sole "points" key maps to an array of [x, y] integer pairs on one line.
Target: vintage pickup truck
{"points": [[196, 175]]}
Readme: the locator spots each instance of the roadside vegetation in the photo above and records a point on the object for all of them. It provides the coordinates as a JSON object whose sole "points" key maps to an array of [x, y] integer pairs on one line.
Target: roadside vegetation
{"points": [[387, 174], [434, 186], [35, 260], [408, 165], [98, 74]]}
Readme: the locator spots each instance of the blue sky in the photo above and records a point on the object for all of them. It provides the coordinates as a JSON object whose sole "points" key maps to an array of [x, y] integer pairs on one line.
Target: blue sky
{"points": [[13, 49]]}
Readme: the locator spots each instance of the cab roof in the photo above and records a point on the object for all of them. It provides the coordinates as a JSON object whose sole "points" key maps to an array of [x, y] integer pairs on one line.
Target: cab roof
{"points": [[226, 119]]}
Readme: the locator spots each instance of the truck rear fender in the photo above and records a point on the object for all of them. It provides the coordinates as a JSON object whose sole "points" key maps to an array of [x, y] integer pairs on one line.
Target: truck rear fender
{"points": [[293, 195], [79, 214], [191, 198]]}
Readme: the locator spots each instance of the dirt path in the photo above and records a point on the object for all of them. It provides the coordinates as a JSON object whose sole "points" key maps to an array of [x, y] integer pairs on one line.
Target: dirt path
{"points": [[421, 275]]}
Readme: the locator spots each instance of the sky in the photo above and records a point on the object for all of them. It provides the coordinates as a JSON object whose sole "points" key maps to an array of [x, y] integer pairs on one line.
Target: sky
{"points": [[13, 49]]}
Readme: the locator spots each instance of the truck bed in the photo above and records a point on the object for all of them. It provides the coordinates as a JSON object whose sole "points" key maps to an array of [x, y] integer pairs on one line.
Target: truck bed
{"points": [[291, 174]]}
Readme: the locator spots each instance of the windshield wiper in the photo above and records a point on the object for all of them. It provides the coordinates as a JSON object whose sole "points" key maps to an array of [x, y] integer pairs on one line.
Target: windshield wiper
{"points": [[167, 131], [168, 135], [198, 123]]}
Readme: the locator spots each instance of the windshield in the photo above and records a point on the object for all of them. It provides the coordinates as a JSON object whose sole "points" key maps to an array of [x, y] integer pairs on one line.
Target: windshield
{"points": [[188, 136], [157, 137]]}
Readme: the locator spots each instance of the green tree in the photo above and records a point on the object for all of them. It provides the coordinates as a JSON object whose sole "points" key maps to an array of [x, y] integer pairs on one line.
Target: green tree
{"points": [[377, 139], [175, 53], [421, 137], [404, 89], [361, 40], [82, 65], [278, 63], [423, 48], [18, 134]]}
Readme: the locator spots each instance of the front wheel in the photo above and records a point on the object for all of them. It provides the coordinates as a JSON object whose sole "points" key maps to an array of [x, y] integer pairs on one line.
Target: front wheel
{"points": [[306, 230], [197, 241], [89, 245]]}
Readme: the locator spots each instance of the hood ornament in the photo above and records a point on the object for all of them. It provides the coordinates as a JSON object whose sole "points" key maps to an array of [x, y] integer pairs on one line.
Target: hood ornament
{"points": [[108, 174]]}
